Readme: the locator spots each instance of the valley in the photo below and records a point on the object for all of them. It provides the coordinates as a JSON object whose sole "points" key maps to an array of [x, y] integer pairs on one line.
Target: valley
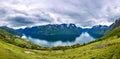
{"points": [[106, 47], [98, 49], [59, 29]]}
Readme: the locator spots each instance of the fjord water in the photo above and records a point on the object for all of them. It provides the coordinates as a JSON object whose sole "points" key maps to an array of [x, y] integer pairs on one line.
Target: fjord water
{"points": [[83, 38]]}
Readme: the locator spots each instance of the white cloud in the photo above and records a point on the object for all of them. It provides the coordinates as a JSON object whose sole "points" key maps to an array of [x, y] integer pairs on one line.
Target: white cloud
{"points": [[84, 13]]}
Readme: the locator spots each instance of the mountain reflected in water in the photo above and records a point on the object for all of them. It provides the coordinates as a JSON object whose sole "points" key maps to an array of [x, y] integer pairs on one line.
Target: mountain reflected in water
{"points": [[83, 38]]}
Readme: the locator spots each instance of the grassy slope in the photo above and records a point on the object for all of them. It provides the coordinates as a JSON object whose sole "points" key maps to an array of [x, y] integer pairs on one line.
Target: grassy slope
{"points": [[108, 48]]}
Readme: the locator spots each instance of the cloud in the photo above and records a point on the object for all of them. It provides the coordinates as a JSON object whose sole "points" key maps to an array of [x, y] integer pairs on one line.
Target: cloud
{"points": [[85, 13], [20, 21]]}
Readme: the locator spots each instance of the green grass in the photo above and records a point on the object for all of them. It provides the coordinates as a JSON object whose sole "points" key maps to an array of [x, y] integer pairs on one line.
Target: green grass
{"points": [[108, 48], [111, 51]]}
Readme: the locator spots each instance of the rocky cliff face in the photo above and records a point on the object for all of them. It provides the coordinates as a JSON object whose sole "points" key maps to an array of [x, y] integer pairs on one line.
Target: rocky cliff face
{"points": [[116, 24]]}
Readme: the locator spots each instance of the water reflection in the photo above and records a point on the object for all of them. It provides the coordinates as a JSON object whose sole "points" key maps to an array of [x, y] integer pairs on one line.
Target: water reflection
{"points": [[83, 38]]}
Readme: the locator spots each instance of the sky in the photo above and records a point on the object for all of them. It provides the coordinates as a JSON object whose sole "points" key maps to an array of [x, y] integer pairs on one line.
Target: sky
{"points": [[83, 13]]}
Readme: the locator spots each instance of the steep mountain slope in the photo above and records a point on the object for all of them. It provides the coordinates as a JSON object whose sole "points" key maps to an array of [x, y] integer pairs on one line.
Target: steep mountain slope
{"points": [[116, 24], [55, 31], [114, 32], [104, 48], [24, 43], [11, 31], [98, 31]]}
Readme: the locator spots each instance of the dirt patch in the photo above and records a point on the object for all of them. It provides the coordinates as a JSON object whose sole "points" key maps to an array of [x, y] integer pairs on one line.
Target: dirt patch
{"points": [[29, 52], [100, 46]]}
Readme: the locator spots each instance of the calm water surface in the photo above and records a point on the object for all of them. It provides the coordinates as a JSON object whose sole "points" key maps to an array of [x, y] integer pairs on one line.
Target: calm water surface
{"points": [[83, 38]]}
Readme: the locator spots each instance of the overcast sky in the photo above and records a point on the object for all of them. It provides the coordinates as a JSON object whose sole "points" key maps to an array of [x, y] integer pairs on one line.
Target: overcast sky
{"points": [[84, 13]]}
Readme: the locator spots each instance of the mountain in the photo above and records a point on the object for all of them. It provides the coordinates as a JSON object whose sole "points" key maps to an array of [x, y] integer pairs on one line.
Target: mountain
{"points": [[107, 47], [116, 24], [98, 31], [53, 32], [12, 39], [11, 31], [114, 32], [103, 48]]}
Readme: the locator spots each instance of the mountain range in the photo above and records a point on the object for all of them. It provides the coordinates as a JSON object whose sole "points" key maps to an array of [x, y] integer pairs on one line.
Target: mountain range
{"points": [[107, 47], [53, 32], [64, 31], [61, 31]]}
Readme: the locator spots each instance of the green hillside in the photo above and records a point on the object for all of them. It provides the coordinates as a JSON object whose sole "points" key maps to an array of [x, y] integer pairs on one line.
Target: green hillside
{"points": [[11, 31], [107, 47]]}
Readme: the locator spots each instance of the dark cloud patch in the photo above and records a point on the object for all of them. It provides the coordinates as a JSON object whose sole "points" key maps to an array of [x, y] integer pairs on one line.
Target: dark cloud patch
{"points": [[20, 21], [44, 20]]}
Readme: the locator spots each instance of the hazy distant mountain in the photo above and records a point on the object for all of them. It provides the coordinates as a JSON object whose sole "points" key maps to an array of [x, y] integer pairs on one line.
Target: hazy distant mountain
{"points": [[54, 31], [98, 31]]}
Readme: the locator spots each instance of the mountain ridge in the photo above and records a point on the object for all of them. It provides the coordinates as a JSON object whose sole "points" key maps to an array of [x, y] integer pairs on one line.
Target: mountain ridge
{"points": [[107, 48], [56, 32], [11, 31]]}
